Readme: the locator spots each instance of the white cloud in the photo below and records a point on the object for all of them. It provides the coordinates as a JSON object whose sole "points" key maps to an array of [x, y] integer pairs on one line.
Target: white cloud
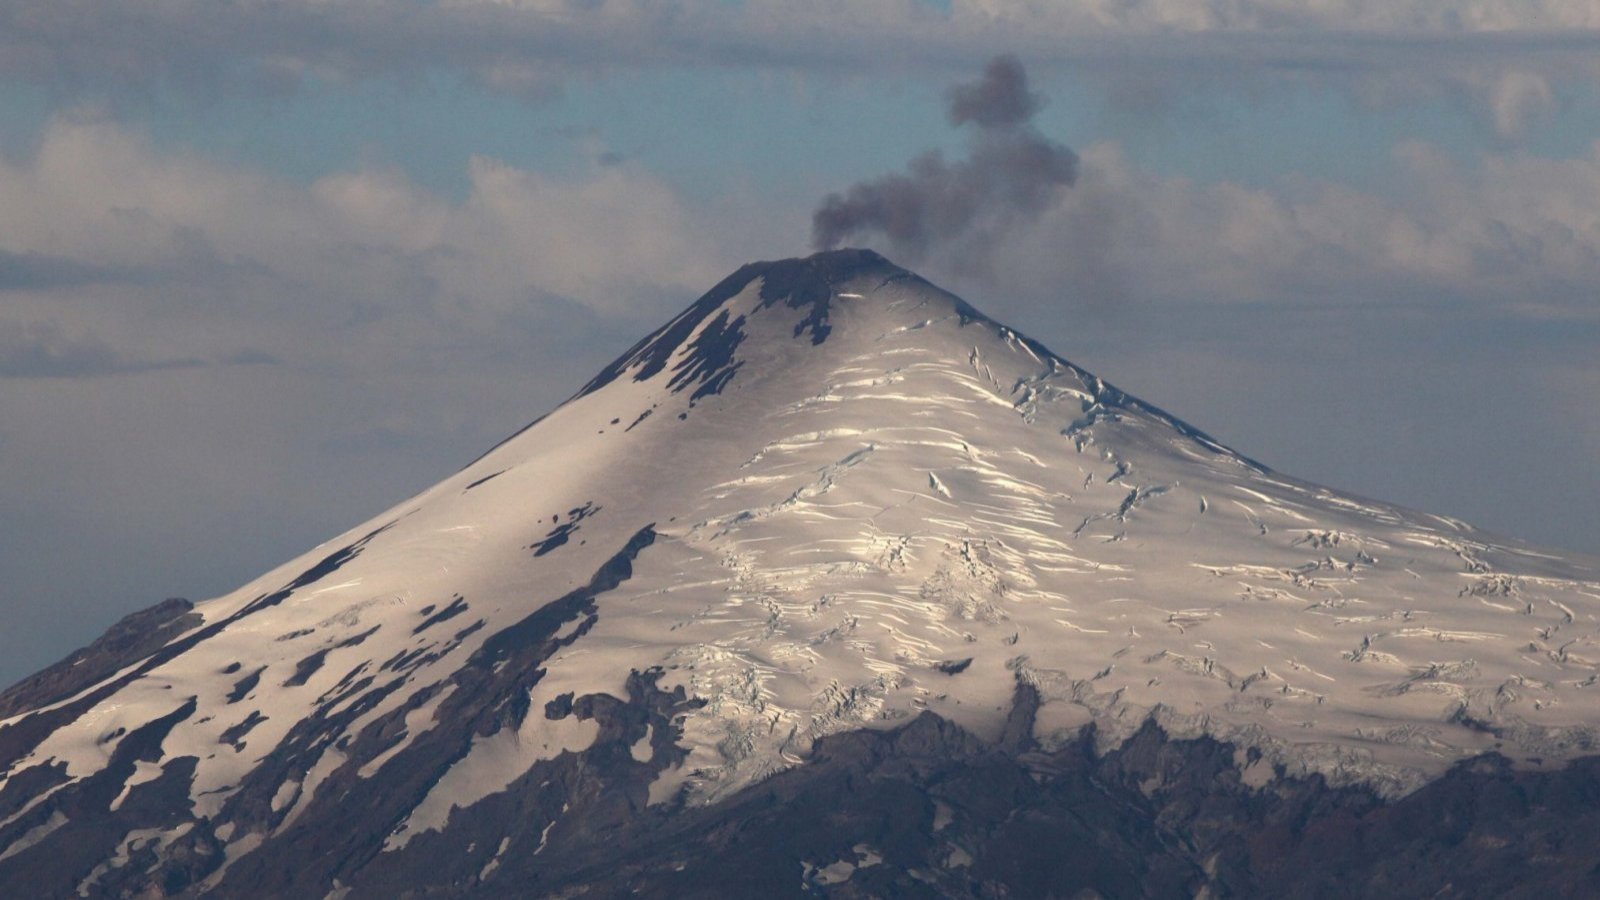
{"points": [[526, 46], [159, 256], [166, 247], [1511, 63], [1517, 100], [1507, 231], [1378, 16], [205, 370]]}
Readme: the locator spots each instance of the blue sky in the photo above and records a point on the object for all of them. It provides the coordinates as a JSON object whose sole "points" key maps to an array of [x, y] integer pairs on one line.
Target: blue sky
{"points": [[266, 269]]}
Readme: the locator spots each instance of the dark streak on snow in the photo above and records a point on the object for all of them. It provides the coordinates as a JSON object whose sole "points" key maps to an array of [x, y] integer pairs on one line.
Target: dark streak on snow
{"points": [[456, 608], [18, 738], [799, 284], [327, 566], [482, 480], [348, 677], [90, 833], [490, 692], [403, 658], [709, 361], [86, 837], [410, 660], [20, 788], [642, 416], [233, 736], [545, 621], [309, 666], [563, 532], [243, 687]]}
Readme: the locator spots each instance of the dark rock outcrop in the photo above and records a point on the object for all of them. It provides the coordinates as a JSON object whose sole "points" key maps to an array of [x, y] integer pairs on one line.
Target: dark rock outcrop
{"points": [[923, 810], [137, 636]]}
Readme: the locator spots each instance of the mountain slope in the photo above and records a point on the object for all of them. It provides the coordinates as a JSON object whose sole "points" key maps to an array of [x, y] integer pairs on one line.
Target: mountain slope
{"points": [[828, 498]]}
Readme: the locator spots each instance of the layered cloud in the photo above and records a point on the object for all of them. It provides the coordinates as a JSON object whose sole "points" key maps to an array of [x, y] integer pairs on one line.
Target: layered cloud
{"points": [[1516, 233], [527, 47], [1404, 16], [117, 257], [39, 350], [107, 239]]}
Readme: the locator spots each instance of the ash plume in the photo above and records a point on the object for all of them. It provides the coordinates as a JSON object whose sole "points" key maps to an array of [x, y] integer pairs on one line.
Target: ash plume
{"points": [[999, 99], [1012, 174]]}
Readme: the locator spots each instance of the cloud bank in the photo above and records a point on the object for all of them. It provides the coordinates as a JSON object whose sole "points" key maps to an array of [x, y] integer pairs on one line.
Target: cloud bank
{"points": [[40, 350], [1513, 233], [100, 228], [530, 46], [116, 257]]}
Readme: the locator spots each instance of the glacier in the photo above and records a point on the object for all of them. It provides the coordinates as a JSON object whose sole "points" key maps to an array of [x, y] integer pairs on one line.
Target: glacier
{"points": [[828, 498]]}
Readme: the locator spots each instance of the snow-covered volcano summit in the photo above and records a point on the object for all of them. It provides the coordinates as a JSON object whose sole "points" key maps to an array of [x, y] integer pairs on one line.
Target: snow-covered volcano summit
{"points": [[826, 497]]}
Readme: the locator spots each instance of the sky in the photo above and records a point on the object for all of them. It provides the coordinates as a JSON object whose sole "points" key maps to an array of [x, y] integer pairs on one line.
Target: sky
{"points": [[268, 268]]}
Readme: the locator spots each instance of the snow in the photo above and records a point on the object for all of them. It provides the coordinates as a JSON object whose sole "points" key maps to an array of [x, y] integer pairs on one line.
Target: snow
{"points": [[131, 842], [142, 772], [491, 765], [34, 835], [417, 721], [640, 750], [840, 871], [494, 862], [844, 517]]}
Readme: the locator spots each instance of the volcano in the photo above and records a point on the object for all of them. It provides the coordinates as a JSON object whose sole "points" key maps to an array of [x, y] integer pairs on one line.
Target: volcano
{"points": [[834, 586]]}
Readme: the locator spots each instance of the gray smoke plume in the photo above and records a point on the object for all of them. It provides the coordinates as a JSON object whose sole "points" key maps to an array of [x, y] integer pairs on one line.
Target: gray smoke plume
{"points": [[1012, 173], [1000, 99]]}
